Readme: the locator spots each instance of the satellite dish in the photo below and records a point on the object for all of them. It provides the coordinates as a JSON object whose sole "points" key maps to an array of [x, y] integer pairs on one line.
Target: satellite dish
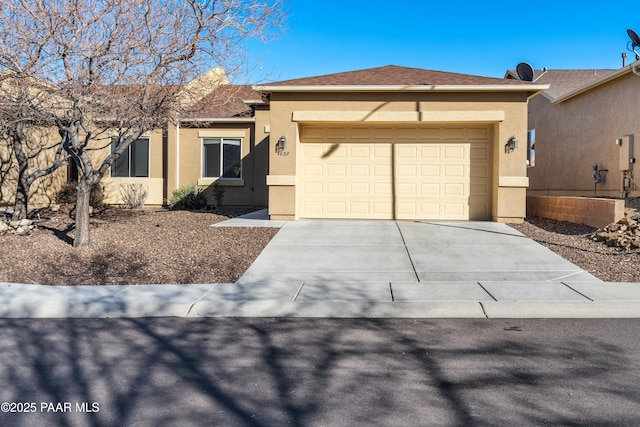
{"points": [[525, 72], [635, 42], [635, 39]]}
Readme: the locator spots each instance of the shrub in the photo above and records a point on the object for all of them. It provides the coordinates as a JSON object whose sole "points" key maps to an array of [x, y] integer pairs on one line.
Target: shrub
{"points": [[67, 195], [218, 194], [187, 197], [133, 195]]}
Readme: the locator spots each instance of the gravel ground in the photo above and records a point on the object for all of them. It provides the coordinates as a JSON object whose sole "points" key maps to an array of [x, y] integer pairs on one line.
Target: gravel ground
{"points": [[572, 242], [134, 247]]}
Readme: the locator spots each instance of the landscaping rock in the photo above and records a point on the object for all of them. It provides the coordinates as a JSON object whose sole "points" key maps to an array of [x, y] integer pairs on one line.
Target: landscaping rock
{"points": [[21, 228], [624, 234]]}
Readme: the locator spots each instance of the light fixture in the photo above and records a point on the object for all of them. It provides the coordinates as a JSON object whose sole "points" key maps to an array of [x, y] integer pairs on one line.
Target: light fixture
{"points": [[511, 145], [282, 143]]}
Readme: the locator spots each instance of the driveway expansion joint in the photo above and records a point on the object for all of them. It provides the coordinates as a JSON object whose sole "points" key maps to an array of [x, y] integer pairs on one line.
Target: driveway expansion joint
{"points": [[408, 253], [489, 293], [578, 292]]}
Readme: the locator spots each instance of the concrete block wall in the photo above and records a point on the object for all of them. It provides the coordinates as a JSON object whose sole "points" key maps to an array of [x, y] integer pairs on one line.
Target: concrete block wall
{"points": [[581, 210]]}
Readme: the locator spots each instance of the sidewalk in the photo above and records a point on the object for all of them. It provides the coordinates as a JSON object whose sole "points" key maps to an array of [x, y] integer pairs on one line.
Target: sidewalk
{"points": [[339, 300]]}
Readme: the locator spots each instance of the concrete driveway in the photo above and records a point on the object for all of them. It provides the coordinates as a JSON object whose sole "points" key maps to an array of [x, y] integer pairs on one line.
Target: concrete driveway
{"points": [[370, 269], [384, 260]]}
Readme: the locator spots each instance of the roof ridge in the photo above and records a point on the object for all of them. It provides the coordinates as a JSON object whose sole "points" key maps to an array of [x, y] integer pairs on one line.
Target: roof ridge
{"points": [[395, 75]]}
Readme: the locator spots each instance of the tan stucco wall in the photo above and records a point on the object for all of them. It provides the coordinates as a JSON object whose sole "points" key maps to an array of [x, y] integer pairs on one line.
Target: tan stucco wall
{"points": [[262, 154], [573, 135], [43, 191], [508, 198], [184, 162], [154, 184]]}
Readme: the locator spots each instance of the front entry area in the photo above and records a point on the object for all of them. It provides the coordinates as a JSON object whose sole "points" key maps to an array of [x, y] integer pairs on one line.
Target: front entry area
{"points": [[395, 172]]}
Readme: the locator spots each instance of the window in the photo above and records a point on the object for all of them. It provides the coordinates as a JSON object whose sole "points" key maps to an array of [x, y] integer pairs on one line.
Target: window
{"points": [[221, 158], [531, 148], [134, 162]]}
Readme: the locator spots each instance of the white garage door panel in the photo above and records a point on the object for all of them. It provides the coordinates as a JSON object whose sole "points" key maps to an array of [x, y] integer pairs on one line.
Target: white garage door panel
{"points": [[445, 178], [347, 181], [443, 190]]}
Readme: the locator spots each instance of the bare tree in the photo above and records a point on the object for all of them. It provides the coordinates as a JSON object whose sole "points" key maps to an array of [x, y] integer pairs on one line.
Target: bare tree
{"points": [[6, 165], [119, 68], [27, 138]]}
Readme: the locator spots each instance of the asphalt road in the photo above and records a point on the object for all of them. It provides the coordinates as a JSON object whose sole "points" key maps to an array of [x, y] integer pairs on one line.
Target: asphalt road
{"points": [[319, 372]]}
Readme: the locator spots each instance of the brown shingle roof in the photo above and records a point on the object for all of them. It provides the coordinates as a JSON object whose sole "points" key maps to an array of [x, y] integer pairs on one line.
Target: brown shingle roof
{"points": [[562, 82], [225, 102], [393, 75]]}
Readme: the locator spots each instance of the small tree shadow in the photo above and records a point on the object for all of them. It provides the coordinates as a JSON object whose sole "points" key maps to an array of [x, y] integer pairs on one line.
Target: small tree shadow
{"points": [[61, 234]]}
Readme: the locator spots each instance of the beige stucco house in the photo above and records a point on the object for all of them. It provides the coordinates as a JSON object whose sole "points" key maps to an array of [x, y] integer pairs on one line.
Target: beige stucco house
{"points": [[586, 118], [382, 143], [396, 142]]}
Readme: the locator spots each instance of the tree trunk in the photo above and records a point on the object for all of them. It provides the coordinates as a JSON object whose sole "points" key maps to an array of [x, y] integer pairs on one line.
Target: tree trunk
{"points": [[83, 236], [22, 191], [22, 197]]}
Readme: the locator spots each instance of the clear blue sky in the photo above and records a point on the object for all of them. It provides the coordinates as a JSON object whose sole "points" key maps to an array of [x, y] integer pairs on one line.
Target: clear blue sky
{"points": [[474, 37]]}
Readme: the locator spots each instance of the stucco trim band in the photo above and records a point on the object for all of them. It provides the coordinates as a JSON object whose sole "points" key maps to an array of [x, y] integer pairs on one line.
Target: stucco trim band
{"points": [[281, 180], [513, 181], [398, 116], [218, 133], [226, 182]]}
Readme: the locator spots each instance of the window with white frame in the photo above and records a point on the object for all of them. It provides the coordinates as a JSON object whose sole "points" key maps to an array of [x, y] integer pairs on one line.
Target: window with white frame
{"points": [[222, 157], [531, 148], [134, 162]]}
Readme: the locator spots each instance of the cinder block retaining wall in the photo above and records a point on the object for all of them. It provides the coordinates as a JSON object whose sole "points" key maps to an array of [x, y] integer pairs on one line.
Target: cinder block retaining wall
{"points": [[581, 210]]}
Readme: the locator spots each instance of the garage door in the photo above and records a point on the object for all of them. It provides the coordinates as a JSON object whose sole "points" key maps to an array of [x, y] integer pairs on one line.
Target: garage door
{"points": [[412, 173]]}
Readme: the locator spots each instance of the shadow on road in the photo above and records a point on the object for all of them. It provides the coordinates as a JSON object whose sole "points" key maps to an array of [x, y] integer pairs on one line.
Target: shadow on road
{"points": [[301, 372]]}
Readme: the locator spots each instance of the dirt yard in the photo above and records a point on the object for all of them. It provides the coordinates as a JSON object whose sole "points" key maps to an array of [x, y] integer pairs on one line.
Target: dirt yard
{"points": [[572, 242], [133, 247]]}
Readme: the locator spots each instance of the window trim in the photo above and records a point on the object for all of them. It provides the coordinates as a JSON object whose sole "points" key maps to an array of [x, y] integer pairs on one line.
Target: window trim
{"points": [[128, 151], [221, 140]]}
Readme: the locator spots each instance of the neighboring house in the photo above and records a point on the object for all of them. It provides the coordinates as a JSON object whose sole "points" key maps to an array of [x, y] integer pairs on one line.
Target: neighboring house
{"points": [[586, 118], [383, 143]]}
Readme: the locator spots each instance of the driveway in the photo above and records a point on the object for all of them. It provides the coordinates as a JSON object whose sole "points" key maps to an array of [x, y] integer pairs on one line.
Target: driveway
{"points": [[383, 260]]}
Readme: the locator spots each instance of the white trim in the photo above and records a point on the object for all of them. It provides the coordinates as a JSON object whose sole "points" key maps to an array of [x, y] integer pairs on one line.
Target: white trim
{"points": [[178, 154], [113, 165], [202, 158], [407, 88]]}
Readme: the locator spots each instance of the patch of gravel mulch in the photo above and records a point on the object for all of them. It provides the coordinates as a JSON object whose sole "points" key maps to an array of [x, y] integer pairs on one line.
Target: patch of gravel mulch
{"points": [[573, 242], [150, 246]]}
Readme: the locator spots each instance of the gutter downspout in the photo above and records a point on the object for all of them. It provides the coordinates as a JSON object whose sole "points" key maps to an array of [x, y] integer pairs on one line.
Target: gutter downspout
{"points": [[177, 154]]}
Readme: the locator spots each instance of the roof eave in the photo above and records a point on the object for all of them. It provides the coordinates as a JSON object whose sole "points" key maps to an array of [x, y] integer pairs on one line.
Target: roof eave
{"points": [[532, 88]]}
